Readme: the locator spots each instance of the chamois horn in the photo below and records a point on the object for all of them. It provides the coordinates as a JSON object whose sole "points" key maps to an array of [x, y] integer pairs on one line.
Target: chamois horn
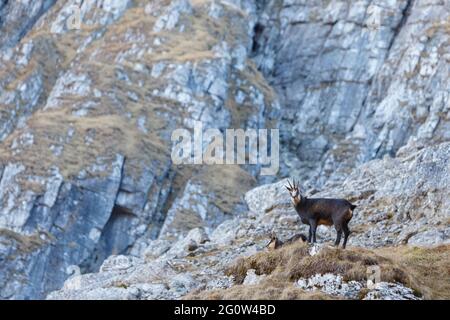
{"points": [[290, 186]]}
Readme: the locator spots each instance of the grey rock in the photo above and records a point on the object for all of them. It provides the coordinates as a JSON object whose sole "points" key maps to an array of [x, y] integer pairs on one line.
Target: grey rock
{"points": [[156, 248], [334, 285], [331, 284], [430, 237], [267, 197], [169, 19], [190, 242], [390, 291], [226, 232], [252, 278], [117, 263]]}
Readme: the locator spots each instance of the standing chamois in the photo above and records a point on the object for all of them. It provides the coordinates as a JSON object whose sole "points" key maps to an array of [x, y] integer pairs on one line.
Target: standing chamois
{"points": [[314, 212]]}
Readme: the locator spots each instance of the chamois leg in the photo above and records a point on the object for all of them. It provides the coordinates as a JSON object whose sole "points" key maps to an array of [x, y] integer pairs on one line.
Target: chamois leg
{"points": [[310, 234], [338, 237], [313, 229], [346, 234]]}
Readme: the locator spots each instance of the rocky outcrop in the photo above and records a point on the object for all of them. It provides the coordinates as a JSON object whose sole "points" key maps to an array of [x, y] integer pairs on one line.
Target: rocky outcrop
{"points": [[91, 91], [204, 256], [124, 277], [335, 286]]}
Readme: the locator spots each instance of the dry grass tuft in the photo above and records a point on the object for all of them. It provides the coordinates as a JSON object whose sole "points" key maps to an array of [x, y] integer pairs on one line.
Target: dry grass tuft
{"points": [[24, 243], [267, 262], [351, 264], [428, 269], [294, 262], [425, 270]]}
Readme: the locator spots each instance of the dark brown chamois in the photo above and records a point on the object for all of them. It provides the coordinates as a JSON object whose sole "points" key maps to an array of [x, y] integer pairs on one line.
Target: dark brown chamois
{"points": [[314, 212], [276, 243]]}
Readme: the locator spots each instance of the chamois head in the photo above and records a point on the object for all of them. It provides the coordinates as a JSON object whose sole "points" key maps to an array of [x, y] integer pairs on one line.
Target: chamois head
{"points": [[274, 242], [294, 191]]}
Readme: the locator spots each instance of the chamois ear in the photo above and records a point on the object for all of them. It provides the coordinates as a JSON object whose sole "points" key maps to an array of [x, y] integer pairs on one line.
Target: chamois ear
{"points": [[273, 235]]}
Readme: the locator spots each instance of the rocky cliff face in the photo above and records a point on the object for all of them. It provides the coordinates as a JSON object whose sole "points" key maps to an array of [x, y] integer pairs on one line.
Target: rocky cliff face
{"points": [[357, 80], [359, 91]]}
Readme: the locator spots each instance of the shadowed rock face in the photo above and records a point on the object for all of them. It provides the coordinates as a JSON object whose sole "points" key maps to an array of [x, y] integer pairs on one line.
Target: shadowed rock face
{"points": [[86, 117]]}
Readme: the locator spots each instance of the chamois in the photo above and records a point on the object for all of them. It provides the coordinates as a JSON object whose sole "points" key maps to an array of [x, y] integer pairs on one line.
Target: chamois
{"points": [[314, 212], [276, 243]]}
